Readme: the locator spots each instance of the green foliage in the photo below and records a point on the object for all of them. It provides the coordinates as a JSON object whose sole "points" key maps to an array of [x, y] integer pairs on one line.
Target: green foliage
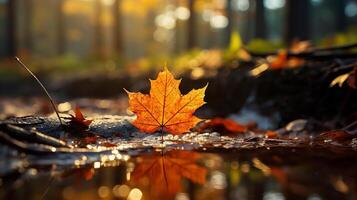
{"points": [[261, 45], [235, 44], [339, 39]]}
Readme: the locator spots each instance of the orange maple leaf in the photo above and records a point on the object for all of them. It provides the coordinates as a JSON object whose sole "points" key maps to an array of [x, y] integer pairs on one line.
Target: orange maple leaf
{"points": [[165, 107], [165, 171]]}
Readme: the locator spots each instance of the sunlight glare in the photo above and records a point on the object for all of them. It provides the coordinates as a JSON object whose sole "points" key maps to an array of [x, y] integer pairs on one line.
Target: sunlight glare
{"points": [[218, 180], [351, 9], [103, 191], [274, 4], [121, 191], [135, 194], [108, 2], [219, 21], [166, 21], [241, 5], [182, 13]]}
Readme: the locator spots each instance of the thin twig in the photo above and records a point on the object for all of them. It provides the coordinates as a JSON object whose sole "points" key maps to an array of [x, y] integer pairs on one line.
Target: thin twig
{"points": [[350, 125], [336, 48], [43, 88]]}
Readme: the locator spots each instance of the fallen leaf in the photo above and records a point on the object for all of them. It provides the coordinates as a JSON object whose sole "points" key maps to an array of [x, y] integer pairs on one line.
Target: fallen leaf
{"points": [[165, 107], [228, 125], [352, 78], [300, 46], [339, 80], [271, 134], [107, 144], [89, 140], [79, 120], [282, 60], [78, 127], [335, 135], [165, 171], [296, 125], [259, 69]]}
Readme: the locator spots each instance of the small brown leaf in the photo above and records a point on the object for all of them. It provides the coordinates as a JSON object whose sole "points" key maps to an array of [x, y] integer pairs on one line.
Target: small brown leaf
{"points": [[89, 140], [335, 135], [108, 144], [271, 134], [79, 119]]}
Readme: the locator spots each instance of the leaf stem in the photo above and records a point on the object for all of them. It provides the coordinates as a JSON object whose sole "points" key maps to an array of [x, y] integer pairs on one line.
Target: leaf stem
{"points": [[42, 86], [162, 135]]}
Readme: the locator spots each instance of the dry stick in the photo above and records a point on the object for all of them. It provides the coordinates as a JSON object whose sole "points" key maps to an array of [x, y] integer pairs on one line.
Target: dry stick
{"points": [[336, 48], [350, 125], [43, 88]]}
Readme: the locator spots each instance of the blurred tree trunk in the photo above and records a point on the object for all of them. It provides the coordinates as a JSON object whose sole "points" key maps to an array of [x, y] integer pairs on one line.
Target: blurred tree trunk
{"points": [[229, 12], [98, 31], [11, 49], [60, 19], [117, 28], [260, 23], [28, 24], [297, 20], [341, 21], [191, 25]]}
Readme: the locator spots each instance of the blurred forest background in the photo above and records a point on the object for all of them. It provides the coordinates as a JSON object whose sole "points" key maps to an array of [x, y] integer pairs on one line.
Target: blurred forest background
{"points": [[141, 34]]}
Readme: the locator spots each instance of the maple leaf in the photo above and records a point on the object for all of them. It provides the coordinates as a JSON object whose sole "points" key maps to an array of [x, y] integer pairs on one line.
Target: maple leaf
{"points": [[79, 119], [165, 171], [165, 107], [78, 126], [282, 60], [271, 134], [228, 125]]}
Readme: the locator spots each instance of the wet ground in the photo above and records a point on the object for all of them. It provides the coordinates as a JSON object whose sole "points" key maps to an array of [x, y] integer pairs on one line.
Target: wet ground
{"points": [[196, 165]]}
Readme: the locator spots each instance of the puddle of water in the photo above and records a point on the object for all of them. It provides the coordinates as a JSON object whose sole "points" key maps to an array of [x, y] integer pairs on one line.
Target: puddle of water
{"points": [[182, 175]]}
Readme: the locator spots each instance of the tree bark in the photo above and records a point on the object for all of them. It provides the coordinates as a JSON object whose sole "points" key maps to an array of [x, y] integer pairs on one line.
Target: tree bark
{"points": [[11, 45], [341, 22], [98, 31], [228, 30], [260, 23], [297, 20], [61, 36], [191, 25], [117, 28], [28, 25]]}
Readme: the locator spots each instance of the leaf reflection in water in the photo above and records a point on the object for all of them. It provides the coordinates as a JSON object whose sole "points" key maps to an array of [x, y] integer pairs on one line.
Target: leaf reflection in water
{"points": [[162, 173]]}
